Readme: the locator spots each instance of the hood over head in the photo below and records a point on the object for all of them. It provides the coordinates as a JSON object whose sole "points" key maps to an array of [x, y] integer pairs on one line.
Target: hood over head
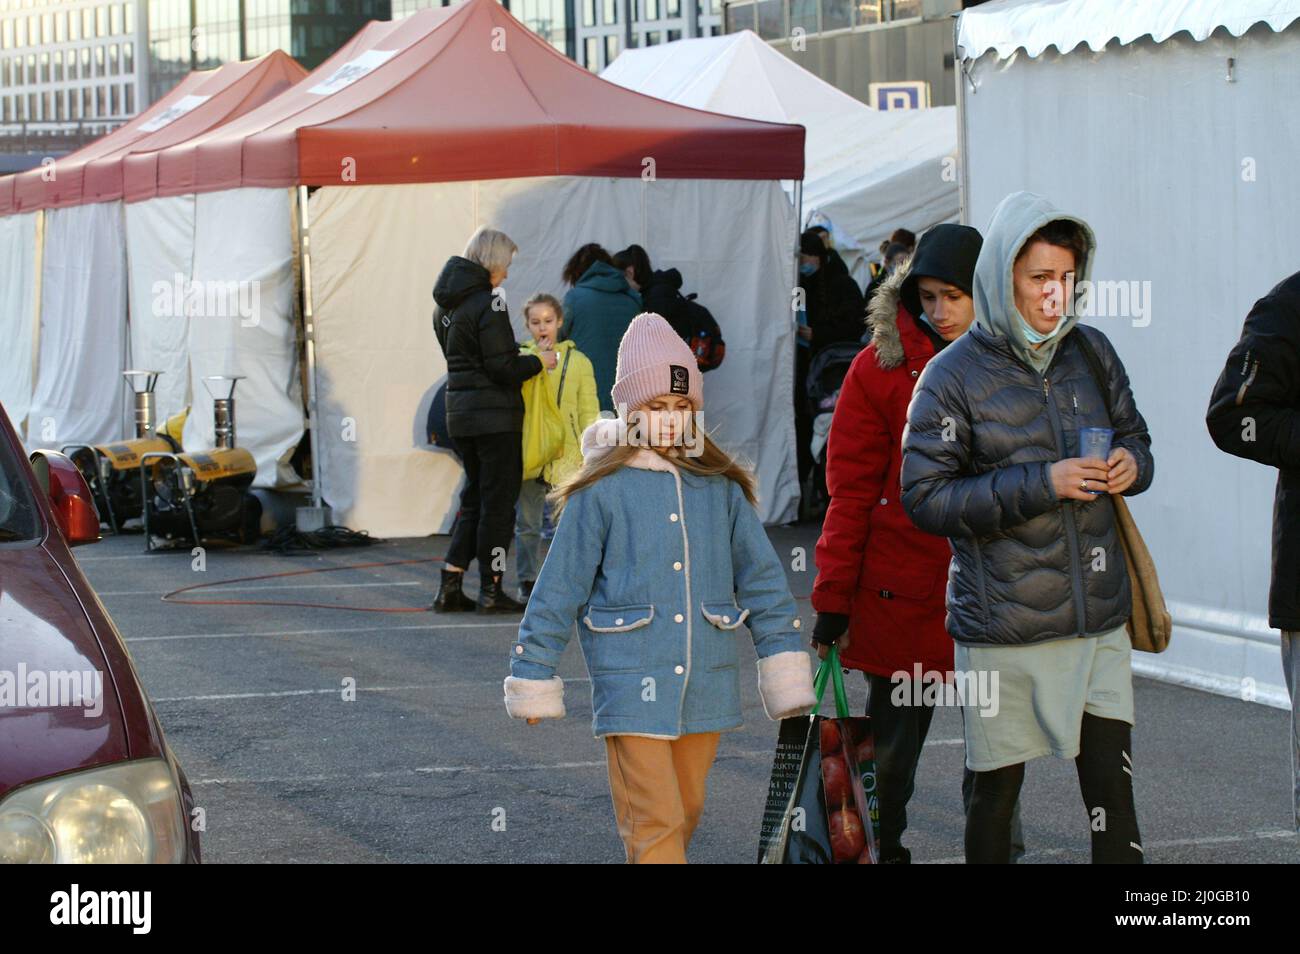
{"points": [[668, 277], [604, 277], [1016, 218], [459, 279]]}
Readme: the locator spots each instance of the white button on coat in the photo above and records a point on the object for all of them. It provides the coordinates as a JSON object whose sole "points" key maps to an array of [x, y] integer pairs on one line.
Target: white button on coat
{"points": [[677, 566], [678, 618], [679, 670], [619, 621], [672, 517], [798, 623]]}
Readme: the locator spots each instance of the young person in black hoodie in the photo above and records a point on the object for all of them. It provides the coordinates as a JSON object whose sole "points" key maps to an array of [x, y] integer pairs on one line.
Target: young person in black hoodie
{"points": [[1255, 413]]}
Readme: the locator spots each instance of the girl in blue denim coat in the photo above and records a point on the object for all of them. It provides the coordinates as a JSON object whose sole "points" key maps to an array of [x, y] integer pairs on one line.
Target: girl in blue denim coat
{"points": [[659, 557]]}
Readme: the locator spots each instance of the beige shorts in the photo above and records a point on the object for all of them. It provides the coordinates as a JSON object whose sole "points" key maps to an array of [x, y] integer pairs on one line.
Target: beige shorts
{"points": [[1039, 694]]}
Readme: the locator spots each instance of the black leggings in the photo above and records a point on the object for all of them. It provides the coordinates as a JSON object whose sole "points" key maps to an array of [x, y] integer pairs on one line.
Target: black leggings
{"points": [[1105, 771]]}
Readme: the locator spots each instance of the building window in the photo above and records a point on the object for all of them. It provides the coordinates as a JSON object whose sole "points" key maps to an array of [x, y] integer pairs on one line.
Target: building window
{"points": [[672, 8], [836, 14], [591, 53], [803, 15], [611, 49], [128, 95], [906, 8], [653, 37], [674, 35], [649, 10], [740, 16], [128, 58], [588, 12], [610, 11], [771, 19]]}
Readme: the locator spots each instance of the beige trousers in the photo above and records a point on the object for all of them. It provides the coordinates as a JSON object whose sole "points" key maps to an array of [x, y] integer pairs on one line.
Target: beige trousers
{"points": [[658, 788]]}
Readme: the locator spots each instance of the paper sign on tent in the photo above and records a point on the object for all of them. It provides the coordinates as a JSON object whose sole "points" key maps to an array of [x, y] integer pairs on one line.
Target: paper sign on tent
{"points": [[174, 112], [352, 70]]}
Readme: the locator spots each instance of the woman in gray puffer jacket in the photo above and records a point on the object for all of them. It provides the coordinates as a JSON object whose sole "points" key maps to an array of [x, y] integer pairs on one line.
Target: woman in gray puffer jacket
{"points": [[1038, 591]]}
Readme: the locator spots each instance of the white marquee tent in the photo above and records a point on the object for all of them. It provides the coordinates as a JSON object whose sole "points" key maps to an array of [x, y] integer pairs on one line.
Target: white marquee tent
{"points": [[868, 171], [1171, 128], [412, 135]]}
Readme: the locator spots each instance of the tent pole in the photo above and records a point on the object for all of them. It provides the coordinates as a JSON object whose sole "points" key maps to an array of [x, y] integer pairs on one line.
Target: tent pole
{"points": [[798, 205], [309, 338], [38, 289]]}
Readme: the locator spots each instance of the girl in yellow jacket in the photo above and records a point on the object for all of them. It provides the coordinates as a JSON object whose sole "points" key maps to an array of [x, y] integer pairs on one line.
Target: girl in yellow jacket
{"points": [[573, 385]]}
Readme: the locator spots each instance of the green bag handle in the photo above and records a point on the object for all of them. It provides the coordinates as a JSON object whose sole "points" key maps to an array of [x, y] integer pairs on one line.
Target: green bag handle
{"points": [[830, 669]]}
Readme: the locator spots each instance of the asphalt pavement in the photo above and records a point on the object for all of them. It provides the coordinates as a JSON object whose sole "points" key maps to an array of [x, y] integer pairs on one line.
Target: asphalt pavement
{"points": [[334, 735]]}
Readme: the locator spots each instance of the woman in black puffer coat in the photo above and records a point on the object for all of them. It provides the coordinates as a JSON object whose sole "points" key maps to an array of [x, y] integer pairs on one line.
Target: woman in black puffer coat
{"points": [[1038, 590], [485, 415]]}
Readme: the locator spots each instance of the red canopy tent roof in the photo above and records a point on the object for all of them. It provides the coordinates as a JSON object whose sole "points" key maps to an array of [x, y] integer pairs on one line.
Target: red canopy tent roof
{"points": [[202, 101], [461, 93]]}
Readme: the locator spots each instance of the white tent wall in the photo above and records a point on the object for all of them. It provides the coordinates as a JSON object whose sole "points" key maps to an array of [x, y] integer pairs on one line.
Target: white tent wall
{"points": [[1189, 182], [241, 322], [160, 257], [376, 251], [868, 172], [80, 396], [17, 313]]}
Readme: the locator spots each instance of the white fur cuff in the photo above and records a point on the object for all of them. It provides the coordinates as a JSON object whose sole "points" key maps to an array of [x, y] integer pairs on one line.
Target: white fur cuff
{"points": [[535, 698], [785, 685]]}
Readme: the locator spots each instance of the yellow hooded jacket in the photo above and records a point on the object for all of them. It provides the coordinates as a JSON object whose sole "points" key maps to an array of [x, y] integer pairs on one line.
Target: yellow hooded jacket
{"points": [[578, 405]]}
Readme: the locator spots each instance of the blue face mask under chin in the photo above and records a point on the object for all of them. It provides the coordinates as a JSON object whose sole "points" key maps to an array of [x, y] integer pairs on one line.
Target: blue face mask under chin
{"points": [[1037, 337]]}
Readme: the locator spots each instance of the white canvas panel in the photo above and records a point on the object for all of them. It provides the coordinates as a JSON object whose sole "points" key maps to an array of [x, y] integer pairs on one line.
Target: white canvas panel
{"points": [[377, 251], [17, 314], [80, 396], [240, 309], [160, 257]]}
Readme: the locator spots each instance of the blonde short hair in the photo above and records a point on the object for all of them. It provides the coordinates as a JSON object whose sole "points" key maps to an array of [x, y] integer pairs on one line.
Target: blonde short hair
{"points": [[491, 249]]}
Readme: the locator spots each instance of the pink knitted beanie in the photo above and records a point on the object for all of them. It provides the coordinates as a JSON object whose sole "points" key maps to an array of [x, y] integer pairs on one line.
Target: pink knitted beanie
{"points": [[653, 361]]}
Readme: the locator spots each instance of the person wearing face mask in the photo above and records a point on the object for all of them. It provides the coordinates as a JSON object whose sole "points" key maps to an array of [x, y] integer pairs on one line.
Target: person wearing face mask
{"points": [[832, 312], [879, 588], [1038, 591]]}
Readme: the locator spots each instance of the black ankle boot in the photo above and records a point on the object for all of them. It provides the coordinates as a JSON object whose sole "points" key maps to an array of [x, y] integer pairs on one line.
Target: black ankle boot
{"points": [[492, 598], [451, 598], [525, 591]]}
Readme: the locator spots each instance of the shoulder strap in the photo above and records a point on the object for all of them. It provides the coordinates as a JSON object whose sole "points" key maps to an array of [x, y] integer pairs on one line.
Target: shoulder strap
{"points": [[1094, 366], [559, 396]]}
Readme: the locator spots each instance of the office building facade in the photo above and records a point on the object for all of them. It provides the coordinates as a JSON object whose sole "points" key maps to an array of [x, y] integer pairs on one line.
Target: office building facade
{"points": [[854, 43], [607, 27], [70, 70]]}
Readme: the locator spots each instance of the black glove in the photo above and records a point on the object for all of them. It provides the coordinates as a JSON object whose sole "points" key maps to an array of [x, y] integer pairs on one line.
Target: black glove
{"points": [[830, 627]]}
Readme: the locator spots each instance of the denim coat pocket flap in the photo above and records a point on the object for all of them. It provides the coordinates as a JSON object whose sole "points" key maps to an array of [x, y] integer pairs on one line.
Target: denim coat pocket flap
{"points": [[618, 619], [724, 615]]}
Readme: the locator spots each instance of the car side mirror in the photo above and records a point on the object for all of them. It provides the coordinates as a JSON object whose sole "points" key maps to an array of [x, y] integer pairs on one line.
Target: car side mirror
{"points": [[69, 495]]}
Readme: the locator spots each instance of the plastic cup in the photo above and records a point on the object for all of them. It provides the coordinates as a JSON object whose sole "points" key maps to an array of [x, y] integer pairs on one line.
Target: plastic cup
{"points": [[1094, 442]]}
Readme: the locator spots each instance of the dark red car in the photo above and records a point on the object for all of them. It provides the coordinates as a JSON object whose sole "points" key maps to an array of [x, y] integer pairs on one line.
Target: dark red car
{"points": [[85, 772]]}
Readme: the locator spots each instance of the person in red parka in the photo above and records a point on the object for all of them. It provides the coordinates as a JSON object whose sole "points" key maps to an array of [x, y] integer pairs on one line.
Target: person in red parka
{"points": [[880, 581]]}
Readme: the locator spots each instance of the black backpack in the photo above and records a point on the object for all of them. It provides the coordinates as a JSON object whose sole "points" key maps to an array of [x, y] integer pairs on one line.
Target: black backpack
{"points": [[698, 328]]}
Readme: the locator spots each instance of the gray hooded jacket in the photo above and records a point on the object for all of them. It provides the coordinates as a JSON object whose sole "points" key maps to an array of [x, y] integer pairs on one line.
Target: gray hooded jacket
{"points": [[984, 427]]}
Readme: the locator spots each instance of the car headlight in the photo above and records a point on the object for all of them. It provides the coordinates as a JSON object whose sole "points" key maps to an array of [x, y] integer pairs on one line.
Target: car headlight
{"points": [[128, 813]]}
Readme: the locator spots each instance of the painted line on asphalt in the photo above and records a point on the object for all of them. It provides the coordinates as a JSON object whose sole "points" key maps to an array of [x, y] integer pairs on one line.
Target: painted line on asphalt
{"points": [[723, 755], [271, 634], [288, 693], [263, 589]]}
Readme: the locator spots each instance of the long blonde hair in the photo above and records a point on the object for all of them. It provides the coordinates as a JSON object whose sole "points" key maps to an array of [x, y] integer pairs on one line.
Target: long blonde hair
{"points": [[712, 462]]}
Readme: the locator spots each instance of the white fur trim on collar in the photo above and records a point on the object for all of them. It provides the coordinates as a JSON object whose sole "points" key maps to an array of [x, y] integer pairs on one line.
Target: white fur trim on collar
{"points": [[606, 433]]}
